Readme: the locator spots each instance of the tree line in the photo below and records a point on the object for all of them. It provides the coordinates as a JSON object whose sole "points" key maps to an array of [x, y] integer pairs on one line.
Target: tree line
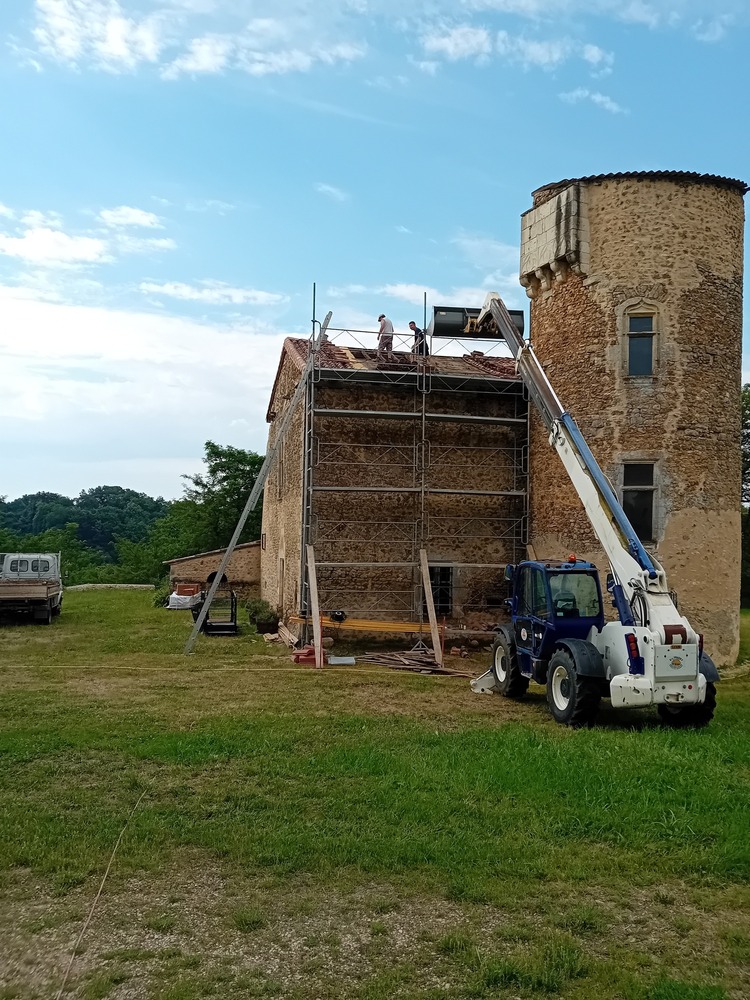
{"points": [[110, 534]]}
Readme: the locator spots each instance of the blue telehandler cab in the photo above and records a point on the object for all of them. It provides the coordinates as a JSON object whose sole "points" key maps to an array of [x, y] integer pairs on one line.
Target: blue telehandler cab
{"points": [[554, 605]]}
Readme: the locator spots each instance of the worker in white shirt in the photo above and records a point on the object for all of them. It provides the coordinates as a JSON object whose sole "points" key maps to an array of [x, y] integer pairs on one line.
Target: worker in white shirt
{"points": [[385, 336]]}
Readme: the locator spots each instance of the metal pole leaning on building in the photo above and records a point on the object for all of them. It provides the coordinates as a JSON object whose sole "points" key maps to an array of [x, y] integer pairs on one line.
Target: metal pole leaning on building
{"points": [[257, 489]]}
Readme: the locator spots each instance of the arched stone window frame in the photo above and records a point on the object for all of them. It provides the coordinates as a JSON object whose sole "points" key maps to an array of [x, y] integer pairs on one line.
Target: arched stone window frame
{"points": [[637, 308]]}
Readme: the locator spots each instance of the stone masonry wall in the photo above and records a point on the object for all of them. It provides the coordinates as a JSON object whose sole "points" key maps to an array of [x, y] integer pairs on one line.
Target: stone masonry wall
{"points": [[387, 526], [243, 571], [282, 504], [673, 248]]}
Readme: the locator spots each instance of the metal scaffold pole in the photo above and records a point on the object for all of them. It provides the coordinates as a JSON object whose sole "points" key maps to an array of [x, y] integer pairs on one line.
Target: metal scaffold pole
{"points": [[257, 489]]}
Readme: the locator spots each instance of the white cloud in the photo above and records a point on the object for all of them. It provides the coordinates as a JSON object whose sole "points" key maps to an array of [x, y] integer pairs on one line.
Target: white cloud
{"points": [[427, 66], [403, 229], [712, 30], [5, 212], [332, 192], [76, 31], [600, 61], [211, 205], [52, 247], [467, 42], [267, 47], [74, 375], [126, 216], [411, 293], [463, 42], [344, 291], [484, 253], [135, 244], [527, 8], [34, 219], [213, 293], [533, 52], [639, 12], [209, 54], [600, 100]]}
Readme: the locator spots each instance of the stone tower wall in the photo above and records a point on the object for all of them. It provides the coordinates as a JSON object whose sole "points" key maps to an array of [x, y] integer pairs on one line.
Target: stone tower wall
{"points": [[593, 252]]}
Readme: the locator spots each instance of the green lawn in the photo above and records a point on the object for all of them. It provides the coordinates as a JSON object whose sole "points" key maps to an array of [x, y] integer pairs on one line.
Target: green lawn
{"points": [[352, 832]]}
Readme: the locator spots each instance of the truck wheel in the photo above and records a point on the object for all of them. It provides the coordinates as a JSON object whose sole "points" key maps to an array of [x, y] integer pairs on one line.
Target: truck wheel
{"points": [[691, 716], [46, 617], [509, 680], [573, 700], [57, 609]]}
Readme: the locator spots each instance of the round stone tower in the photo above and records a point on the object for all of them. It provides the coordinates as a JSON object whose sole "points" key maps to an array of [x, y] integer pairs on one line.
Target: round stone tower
{"points": [[635, 281]]}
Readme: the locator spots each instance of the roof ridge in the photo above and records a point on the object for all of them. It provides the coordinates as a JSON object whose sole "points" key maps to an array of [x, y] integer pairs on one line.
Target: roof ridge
{"points": [[691, 176]]}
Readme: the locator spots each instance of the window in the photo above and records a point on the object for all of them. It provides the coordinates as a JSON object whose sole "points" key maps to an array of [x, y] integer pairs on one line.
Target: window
{"points": [[638, 490], [574, 595], [40, 566], [19, 566], [441, 583], [641, 344], [532, 596]]}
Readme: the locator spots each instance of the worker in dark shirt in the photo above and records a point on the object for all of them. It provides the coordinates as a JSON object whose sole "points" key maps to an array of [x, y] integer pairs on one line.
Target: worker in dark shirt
{"points": [[420, 340]]}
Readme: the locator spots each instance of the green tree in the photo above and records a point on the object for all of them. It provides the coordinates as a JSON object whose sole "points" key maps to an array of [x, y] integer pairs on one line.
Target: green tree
{"points": [[35, 512], [106, 513], [182, 532], [222, 491], [79, 563]]}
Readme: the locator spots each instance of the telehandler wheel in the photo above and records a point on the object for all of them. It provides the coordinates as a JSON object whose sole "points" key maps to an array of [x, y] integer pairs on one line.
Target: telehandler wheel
{"points": [[509, 680], [573, 700], [691, 716]]}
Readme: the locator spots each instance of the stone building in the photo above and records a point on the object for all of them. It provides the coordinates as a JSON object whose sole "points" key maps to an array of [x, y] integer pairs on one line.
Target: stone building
{"points": [[242, 572], [635, 281], [387, 457]]}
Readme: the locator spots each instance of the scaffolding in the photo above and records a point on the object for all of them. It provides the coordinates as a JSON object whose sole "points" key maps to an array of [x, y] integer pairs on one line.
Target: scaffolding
{"points": [[439, 428]]}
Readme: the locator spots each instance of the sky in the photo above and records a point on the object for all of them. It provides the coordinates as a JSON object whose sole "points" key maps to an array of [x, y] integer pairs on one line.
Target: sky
{"points": [[176, 174]]}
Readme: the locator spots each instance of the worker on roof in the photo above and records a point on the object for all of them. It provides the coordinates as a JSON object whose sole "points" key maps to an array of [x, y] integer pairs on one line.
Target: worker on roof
{"points": [[385, 336], [420, 340]]}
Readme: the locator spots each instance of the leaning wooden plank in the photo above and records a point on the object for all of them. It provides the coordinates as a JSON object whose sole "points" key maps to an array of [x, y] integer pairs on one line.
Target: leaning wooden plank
{"points": [[313, 580], [286, 636], [427, 588]]}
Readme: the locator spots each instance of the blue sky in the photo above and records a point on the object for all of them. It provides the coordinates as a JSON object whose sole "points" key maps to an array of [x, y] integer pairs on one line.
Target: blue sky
{"points": [[177, 173]]}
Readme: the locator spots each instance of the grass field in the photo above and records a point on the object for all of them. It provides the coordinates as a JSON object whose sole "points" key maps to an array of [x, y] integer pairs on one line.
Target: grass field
{"points": [[351, 833]]}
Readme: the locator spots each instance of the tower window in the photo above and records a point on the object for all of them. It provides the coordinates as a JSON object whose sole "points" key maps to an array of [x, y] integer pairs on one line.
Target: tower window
{"points": [[641, 344], [638, 490]]}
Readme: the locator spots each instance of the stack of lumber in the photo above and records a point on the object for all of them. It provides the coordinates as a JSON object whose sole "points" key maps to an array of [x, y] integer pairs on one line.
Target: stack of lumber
{"points": [[417, 662]]}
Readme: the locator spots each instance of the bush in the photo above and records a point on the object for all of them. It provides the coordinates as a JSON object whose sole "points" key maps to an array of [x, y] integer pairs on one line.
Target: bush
{"points": [[262, 615], [161, 594]]}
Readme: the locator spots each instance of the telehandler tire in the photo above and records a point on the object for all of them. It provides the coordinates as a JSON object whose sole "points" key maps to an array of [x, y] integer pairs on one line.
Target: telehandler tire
{"points": [[573, 700], [509, 680], [691, 716]]}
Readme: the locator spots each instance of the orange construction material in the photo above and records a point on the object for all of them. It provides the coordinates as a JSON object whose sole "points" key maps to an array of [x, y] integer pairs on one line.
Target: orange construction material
{"points": [[368, 625]]}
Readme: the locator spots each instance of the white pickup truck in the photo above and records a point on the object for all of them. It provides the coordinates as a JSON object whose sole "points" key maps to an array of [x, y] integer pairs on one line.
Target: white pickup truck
{"points": [[30, 584]]}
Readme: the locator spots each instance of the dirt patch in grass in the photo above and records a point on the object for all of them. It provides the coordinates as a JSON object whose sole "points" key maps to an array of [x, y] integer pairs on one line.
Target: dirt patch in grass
{"points": [[202, 929], [184, 695]]}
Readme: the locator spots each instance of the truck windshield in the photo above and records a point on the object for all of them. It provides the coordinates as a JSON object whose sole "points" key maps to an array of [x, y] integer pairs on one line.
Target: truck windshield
{"points": [[574, 595]]}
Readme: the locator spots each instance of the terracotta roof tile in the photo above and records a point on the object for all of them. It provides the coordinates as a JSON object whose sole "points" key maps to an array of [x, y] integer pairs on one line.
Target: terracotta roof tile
{"points": [[345, 358], [679, 176]]}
